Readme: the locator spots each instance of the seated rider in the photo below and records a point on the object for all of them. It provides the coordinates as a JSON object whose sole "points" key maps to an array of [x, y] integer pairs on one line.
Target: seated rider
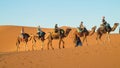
{"points": [[39, 31], [104, 23], [56, 28], [103, 20], [22, 33], [81, 26]]}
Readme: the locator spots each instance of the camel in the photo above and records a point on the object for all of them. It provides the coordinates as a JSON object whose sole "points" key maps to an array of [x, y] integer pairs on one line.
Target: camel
{"points": [[24, 40], [27, 38], [60, 35], [103, 30], [38, 37], [84, 34]]}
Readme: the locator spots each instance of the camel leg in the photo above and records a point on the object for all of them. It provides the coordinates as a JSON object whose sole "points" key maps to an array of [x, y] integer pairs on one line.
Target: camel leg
{"points": [[17, 45], [42, 45], [33, 44], [103, 42], [51, 45], [86, 41], [84, 37], [108, 37], [59, 44], [99, 39], [48, 44], [25, 46], [61, 40], [63, 43]]}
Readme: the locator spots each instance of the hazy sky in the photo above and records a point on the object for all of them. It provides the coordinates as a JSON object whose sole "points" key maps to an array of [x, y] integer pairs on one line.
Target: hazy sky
{"points": [[46, 13]]}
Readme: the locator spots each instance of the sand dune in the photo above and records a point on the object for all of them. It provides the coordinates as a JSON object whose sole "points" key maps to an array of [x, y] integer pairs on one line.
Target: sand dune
{"points": [[91, 56]]}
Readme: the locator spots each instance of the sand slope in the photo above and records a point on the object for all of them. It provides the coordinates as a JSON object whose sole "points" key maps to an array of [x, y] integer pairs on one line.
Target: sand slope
{"points": [[91, 56]]}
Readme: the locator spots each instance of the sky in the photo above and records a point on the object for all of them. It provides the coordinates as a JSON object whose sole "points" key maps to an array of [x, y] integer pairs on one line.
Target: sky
{"points": [[47, 13]]}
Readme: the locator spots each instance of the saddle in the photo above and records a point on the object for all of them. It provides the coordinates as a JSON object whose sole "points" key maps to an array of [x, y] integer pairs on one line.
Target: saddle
{"points": [[24, 35], [81, 30], [60, 33], [41, 34], [107, 27]]}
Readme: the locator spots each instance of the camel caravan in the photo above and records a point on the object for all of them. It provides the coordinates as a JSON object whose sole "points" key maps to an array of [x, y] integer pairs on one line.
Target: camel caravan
{"points": [[60, 34]]}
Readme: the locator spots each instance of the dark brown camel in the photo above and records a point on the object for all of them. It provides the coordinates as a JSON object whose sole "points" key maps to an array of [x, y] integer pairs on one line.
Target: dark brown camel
{"points": [[102, 30], [84, 34], [60, 35]]}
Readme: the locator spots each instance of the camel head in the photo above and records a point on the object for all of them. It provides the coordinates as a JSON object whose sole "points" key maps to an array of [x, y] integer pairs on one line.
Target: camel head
{"points": [[93, 30], [115, 26], [67, 31]]}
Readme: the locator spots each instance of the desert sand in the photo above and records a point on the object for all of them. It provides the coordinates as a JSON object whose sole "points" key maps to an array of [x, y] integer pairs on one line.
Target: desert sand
{"points": [[87, 56]]}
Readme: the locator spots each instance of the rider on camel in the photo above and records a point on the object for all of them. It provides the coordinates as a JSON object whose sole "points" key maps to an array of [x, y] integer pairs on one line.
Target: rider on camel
{"points": [[39, 31], [81, 27], [22, 32], [104, 23], [56, 28]]}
